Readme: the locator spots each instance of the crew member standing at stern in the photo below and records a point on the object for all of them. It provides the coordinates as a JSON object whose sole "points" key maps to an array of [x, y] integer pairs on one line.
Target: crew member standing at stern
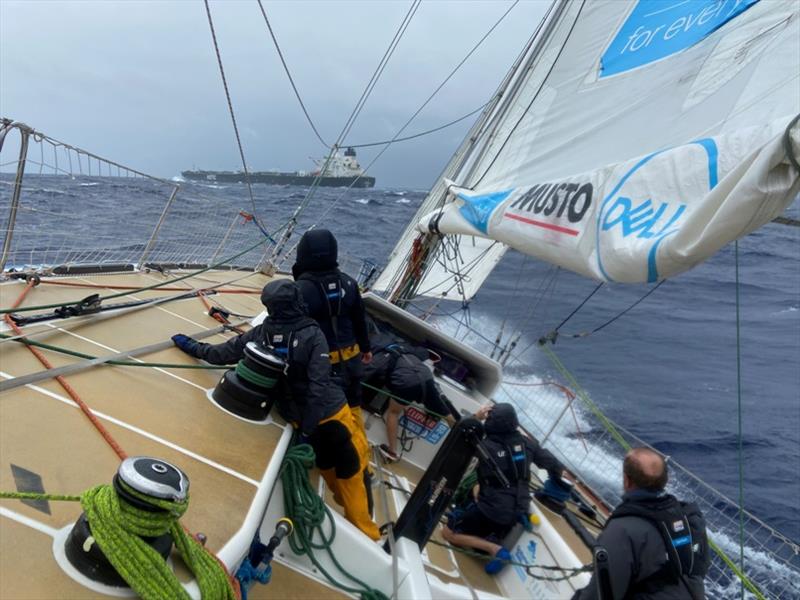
{"points": [[656, 546], [333, 300]]}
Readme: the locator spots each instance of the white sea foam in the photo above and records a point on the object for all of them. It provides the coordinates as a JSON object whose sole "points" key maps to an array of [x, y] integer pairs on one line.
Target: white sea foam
{"points": [[576, 438]]}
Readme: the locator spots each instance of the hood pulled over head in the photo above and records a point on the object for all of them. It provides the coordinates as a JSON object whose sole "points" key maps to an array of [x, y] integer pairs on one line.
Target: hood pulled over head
{"points": [[316, 251], [502, 419], [283, 300]]}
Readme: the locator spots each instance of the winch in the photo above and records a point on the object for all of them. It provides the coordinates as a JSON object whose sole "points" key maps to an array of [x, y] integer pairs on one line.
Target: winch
{"points": [[251, 389], [137, 479]]}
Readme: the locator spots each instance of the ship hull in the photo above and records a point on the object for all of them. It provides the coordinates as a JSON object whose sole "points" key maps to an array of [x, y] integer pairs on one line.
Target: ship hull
{"points": [[364, 181]]}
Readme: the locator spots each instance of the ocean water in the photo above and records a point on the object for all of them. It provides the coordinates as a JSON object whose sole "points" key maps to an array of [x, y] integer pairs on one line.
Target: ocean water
{"points": [[666, 371]]}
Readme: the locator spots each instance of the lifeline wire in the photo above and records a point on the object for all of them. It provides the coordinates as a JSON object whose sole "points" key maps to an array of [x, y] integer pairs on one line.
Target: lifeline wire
{"points": [[230, 106]]}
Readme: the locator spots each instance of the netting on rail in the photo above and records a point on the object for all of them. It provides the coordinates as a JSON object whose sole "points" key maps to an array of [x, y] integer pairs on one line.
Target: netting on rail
{"points": [[554, 408], [66, 208]]}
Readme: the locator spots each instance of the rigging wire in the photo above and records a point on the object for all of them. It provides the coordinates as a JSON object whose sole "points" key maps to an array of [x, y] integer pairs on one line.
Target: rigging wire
{"points": [[289, 75], [574, 312], [449, 76], [230, 106], [610, 321], [396, 137], [348, 124], [422, 133], [379, 71]]}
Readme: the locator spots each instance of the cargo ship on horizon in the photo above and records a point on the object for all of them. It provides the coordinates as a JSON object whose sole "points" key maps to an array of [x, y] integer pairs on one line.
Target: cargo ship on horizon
{"points": [[341, 171]]}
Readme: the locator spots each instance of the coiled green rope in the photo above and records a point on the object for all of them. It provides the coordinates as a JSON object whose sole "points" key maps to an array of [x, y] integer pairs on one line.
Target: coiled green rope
{"points": [[307, 511], [117, 526], [258, 379]]}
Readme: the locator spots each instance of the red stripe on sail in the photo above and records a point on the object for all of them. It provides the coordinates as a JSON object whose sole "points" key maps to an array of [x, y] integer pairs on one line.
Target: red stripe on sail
{"points": [[544, 225]]}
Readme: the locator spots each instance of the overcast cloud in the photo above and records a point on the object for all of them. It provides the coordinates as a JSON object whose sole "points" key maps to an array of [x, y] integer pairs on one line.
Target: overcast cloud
{"points": [[138, 82]]}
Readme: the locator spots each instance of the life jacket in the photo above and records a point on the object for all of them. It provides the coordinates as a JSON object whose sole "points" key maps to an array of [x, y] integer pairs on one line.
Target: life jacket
{"points": [[683, 531], [510, 457], [331, 297], [281, 339]]}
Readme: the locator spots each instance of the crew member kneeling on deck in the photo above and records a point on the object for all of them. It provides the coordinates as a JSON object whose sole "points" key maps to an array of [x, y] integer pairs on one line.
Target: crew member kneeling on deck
{"points": [[484, 523], [399, 367], [656, 546], [314, 402]]}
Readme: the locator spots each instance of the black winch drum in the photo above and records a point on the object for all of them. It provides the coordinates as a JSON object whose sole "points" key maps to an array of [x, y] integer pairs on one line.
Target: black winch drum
{"points": [[246, 391], [149, 476]]}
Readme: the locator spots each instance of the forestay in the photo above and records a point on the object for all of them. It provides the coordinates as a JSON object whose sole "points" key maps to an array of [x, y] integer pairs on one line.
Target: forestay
{"points": [[644, 137]]}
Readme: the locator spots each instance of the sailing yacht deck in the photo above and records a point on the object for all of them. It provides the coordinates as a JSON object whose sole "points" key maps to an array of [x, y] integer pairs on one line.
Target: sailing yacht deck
{"points": [[154, 412], [48, 445]]}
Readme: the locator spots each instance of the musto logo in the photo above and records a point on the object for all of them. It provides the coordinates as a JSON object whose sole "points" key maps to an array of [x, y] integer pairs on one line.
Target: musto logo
{"points": [[558, 207], [647, 205]]}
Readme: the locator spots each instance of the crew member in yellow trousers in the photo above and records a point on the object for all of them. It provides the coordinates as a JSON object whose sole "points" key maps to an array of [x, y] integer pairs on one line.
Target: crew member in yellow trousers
{"points": [[313, 402], [340, 451], [333, 299]]}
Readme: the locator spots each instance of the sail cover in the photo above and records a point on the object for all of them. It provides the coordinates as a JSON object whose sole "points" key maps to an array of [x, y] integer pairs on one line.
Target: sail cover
{"points": [[646, 136]]}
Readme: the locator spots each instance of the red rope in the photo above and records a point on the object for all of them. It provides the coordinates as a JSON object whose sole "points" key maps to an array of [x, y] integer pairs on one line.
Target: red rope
{"points": [[133, 287], [95, 421], [67, 387]]}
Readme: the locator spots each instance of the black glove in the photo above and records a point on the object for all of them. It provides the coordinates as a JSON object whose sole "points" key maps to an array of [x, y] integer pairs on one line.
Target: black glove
{"points": [[189, 345]]}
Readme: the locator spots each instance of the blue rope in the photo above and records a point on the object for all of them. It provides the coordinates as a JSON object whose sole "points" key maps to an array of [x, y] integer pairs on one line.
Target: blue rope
{"points": [[247, 574]]}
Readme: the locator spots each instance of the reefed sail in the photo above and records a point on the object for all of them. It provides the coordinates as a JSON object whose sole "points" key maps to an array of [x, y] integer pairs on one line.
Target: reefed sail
{"points": [[645, 137]]}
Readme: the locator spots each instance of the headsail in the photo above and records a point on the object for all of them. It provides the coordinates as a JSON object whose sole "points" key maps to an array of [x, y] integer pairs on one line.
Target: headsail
{"points": [[645, 137]]}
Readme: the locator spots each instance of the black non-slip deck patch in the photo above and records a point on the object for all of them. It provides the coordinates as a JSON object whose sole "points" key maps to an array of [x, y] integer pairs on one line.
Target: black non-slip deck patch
{"points": [[28, 481]]}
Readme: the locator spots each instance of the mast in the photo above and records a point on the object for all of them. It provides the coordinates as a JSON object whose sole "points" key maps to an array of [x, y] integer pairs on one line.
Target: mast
{"points": [[416, 248]]}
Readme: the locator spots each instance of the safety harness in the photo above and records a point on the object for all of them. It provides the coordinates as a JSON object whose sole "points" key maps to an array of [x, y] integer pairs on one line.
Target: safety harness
{"points": [[682, 528]]}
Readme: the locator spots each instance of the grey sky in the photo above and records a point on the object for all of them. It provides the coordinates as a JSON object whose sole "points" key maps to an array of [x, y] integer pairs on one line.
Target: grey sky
{"points": [[138, 82]]}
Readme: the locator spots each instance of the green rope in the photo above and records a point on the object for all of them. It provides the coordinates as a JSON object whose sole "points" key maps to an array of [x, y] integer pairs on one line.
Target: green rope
{"points": [[581, 393], [118, 528], [740, 450], [119, 363], [37, 496], [149, 287], [464, 489], [308, 513], [737, 571], [248, 374]]}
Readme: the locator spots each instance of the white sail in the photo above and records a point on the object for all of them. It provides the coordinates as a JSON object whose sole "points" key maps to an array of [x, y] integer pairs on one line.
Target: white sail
{"points": [[647, 136]]}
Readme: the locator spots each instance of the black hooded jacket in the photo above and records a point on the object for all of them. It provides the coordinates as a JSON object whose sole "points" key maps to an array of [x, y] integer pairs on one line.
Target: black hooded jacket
{"points": [[637, 553], [314, 396], [332, 297], [396, 365], [512, 454]]}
